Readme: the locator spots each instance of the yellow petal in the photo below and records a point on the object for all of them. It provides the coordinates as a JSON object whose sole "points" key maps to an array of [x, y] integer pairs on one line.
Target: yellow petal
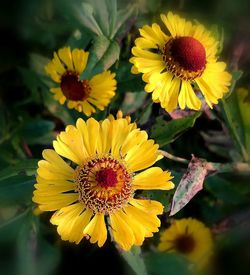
{"points": [[59, 67], [104, 142], [51, 171], [172, 95], [153, 178], [66, 57], [87, 108], [150, 223], [138, 230], [119, 133], [80, 58], [81, 222], [97, 230], [93, 131], [122, 233], [188, 98], [142, 156], [69, 144], [148, 206], [66, 218], [54, 202], [52, 157]]}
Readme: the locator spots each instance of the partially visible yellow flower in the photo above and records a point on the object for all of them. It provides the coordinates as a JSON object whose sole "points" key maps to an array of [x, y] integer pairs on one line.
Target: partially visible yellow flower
{"points": [[190, 238], [91, 178], [84, 95], [176, 66]]}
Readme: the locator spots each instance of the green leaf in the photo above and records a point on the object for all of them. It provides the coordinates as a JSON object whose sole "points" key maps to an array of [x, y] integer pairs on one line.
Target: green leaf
{"points": [[132, 102], [79, 39], [25, 167], [16, 189], [166, 132], [38, 62], [233, 117], [112, 11], [218, 34], [128, 82], [102, 15], [80, 15], [9, 229], [103, 54], [32, 82], [135, 260], [123, 16], [33, 251], [58, 110], [38, 131], [229, 191], [243, 96], [166, 264]]}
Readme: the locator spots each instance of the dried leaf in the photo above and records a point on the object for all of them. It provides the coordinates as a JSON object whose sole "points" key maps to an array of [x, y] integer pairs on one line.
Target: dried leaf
{"points": [[190, 184]]}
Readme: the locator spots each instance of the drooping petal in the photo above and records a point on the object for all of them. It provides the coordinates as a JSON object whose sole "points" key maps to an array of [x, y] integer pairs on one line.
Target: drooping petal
{"points": [[122, 233], [97, 230]]}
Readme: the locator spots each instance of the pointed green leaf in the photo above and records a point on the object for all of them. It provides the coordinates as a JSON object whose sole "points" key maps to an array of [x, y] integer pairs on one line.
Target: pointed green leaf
{"points": [[233, 117], [16, 190], [166, 132], [135, 260], [166, 264], [33, 251], [25, 167], [103, 54]]}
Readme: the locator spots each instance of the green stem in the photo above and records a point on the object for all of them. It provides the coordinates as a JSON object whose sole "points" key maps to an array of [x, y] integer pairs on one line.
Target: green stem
{"points": [[172, 157], [236, 167]]}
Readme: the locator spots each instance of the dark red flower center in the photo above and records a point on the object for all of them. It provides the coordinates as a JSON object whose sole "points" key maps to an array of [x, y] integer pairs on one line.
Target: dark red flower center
{"points": [[73, 88], [106, 177], [189, 53], [185, 244]]}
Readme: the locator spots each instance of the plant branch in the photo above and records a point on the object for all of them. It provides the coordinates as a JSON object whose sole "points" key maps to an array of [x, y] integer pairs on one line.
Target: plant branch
{"points": [[237, 167], [172, 157]]}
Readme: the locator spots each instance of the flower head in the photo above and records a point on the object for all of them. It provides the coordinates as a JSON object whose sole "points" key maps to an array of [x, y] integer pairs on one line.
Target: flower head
{"points": [[179, 65], [188, 237], [91, 178], [85, 95]]}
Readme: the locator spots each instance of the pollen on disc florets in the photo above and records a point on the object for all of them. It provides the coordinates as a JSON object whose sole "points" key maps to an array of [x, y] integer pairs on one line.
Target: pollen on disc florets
{"points": [[104, 184], [73, 88], [185, 57]]}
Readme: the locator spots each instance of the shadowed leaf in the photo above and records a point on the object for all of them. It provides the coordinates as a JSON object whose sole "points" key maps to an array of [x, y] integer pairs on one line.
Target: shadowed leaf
{"points": [[135, 260], [103, 54], [165, 132]]}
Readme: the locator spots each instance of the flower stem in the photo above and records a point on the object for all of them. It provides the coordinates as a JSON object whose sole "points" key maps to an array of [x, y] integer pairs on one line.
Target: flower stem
{"points": [[172, 157], [236, 167]]}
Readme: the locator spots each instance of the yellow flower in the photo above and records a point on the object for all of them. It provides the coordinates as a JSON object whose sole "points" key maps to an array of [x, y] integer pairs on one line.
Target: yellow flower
{"points": [[190, 238], [176, 66], [91, 178], [85, 95]]}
